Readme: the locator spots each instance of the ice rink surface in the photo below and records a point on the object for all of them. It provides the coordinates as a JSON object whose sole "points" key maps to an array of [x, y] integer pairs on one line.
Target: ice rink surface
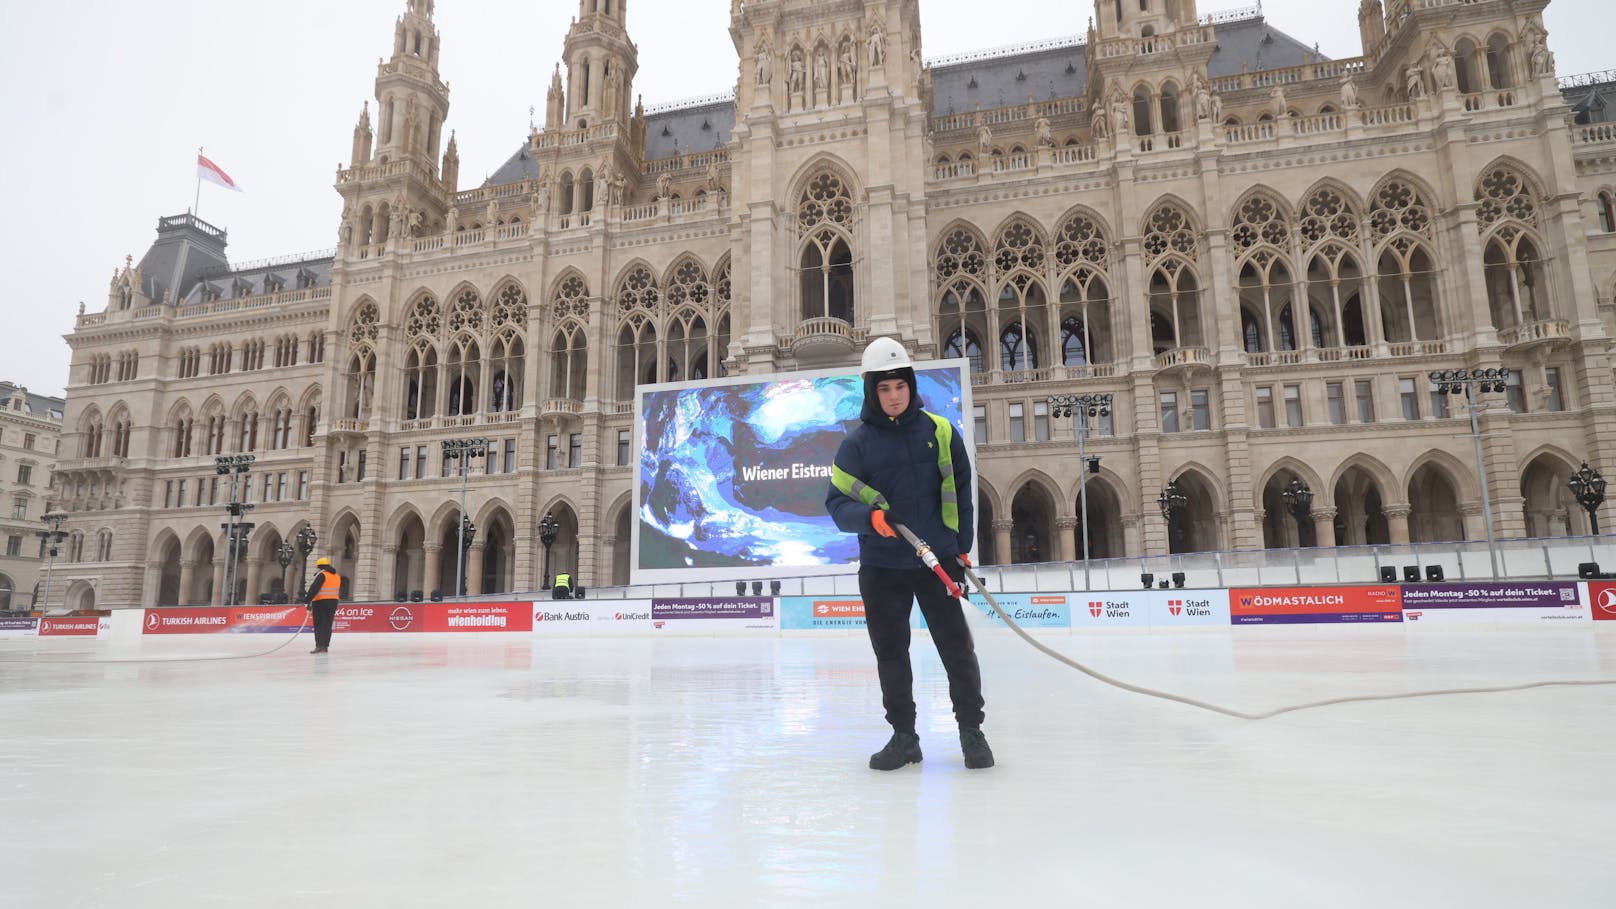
{"points": [[490, 771]]}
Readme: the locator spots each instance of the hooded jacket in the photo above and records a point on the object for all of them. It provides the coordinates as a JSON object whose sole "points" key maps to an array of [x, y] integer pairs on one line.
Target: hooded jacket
{"points": [[897, 456]]}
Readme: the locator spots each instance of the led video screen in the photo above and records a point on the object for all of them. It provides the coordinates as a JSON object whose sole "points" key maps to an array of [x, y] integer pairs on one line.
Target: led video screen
{"points": [[732, 472]]}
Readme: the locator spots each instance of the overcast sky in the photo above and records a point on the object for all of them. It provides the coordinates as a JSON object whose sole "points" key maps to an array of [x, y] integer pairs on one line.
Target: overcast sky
{"points": [[106, 104]]}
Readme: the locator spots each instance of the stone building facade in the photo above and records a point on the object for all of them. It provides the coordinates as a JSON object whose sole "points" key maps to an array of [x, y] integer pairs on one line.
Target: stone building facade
{"points": [[30, 431], [1148, 211]]}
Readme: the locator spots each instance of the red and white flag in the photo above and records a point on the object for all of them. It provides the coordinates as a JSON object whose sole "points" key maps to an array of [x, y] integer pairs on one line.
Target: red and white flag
{"points": [[213, 173]]}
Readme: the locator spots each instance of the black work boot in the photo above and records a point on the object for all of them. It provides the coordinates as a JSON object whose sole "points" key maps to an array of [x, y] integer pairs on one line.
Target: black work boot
{"points": [[903, 748], [975, 746]]}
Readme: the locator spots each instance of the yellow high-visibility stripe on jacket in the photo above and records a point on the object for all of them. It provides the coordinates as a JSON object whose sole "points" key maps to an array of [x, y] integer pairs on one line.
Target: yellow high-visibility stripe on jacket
{"points": [[856, 488]]}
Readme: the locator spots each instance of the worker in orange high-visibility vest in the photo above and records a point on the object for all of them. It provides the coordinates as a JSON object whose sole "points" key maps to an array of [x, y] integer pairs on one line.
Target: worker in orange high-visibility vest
{"points": [[325, 589]]}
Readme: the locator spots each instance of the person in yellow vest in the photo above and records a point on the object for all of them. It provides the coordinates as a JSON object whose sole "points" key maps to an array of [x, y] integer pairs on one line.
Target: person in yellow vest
{"points": [[563, 587], [325, 591], [903, 465]]}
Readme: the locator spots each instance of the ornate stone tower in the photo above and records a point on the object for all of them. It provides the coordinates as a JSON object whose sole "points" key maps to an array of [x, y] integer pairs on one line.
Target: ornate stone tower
{"points": [[601, 62], [392, 189], [1146, 62], [830, 155]]}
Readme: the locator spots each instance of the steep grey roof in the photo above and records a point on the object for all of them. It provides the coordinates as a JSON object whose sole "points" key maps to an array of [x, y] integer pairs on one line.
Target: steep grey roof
{"points": [[251, 279], [518, 168], [187, 247], [41, 406], [688, 129], [1049, 72], [1592, 103]]}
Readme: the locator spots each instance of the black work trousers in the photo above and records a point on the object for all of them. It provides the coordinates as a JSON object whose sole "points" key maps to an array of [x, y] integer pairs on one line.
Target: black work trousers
{"points": [[889, 595], [325, 615]]}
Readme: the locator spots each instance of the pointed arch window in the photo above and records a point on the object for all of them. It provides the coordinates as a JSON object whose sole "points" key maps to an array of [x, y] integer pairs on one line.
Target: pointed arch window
{"points": [[964, 344], [825, 257], [1018, 350]]}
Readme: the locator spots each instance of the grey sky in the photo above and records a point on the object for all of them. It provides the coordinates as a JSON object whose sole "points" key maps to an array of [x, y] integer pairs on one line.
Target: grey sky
{"points": [[106, 105]]}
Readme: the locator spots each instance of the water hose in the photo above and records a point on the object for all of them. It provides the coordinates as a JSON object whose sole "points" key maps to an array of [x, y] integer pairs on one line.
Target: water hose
{"points": [[926, 555]]}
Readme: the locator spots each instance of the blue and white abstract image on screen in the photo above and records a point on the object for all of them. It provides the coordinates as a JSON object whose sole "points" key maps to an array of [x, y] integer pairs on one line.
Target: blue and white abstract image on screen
{"points": [[733, 473]]}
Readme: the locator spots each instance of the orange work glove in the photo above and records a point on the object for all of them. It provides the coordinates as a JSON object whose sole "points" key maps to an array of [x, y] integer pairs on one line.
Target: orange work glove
{"points": [[882, 521], [964, 560]]}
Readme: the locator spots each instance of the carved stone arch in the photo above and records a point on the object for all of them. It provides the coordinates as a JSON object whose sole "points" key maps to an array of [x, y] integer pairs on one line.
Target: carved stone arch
{"points": [[266, 540], [486, 510], [177, 411], [1552, 451], [213, 405], [311, 398], [1033, 476], [364, 309], [395, 521], [246, 402], [822, 162], [444, 518], [1069, 229], [1390, 489], [281, 396], [987, 494], [1207, 475], [423, 315], [1174, 218], [1425, 189], [637, 289], [1292, 465], [961, 250], [91, 417], [1463, 477], [163, 539], [687, 282], [194, 539], [1118, 485]]}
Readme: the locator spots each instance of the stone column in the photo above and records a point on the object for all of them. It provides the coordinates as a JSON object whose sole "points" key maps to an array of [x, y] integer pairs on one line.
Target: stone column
{"points": [[430, 553], [255, 575], [388, 572], [1323, 526], [1397, 522], [1001, 542], [187, 580], [221, 558], [1475, 525], [474, 569], [1067, 528]]}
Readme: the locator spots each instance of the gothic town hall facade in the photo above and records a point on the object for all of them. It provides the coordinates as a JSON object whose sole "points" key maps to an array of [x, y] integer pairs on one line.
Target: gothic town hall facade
{"points": [[1260, 252]]}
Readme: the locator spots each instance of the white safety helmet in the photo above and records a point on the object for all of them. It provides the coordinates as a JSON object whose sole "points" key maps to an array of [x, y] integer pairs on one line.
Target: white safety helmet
{"points": [[885, 355]]}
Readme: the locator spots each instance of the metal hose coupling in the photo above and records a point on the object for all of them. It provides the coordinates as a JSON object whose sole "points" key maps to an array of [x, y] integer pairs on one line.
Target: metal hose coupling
{"points": [[929, 559]]}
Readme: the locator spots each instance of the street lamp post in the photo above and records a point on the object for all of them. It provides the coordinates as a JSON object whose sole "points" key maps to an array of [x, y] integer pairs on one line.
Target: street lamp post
{"points": [[1470, 383], [1082, 408], [463, 450], [1589, 489], [468, 534], [234, 466], [547, 535], [53, 539], [1172, 501], [284, 555], [306, 539], [1299, 499]]}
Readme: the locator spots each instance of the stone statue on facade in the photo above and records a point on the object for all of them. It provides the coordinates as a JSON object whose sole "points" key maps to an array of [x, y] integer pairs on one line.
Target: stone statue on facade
{"points": [[1414, 82], [1203, 98], [491, 217], [1277, 104], [1046, 137], [618, 183], [847, 67], [1099, 124], [603, 185], [1349, 93], [541, 196], [713, 185], [452, 221], [1542, 58], [794, 82], [1442, 69], [1119, 113], [876, 44], [664, 186], [984, 139], [821, 71], [765, 65]]}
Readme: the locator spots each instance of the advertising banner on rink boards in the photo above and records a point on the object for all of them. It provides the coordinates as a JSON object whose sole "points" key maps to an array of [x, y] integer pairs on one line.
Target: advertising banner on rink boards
{"points": [[75, 626], [826, 613], [14, 627], [1029, 610], [1110, 609], [223, 620], [709, 615], [1306, 605], [479, 617], [603, 617], [1602, 601], [1509, 601], [1188, 608]]}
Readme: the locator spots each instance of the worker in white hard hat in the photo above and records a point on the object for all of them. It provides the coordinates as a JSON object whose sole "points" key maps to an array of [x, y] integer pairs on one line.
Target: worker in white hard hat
{"points": [[904, 465]]}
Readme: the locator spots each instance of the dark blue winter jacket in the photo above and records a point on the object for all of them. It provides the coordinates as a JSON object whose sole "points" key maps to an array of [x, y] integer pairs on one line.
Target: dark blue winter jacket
{"points": [[898, 458]]}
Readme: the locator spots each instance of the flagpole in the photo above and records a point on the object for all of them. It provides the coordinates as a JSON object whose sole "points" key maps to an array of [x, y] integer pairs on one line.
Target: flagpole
{"points": [[196, 207]]}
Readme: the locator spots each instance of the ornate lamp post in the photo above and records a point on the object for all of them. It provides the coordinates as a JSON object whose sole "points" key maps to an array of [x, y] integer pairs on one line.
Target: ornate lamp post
{"points": [[53, 538], [1589, 489], [1471, 382], [1082, 408], [1299, 499], [306, 539], [547, 534], [468, 533], [1173, 502], [284, 555], [463, 450]]}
